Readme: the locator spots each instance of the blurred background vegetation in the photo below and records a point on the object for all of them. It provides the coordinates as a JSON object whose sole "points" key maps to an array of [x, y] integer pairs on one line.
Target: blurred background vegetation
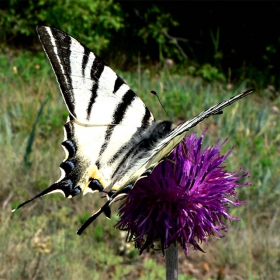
{"points": [[213, 40], [194, 54]]}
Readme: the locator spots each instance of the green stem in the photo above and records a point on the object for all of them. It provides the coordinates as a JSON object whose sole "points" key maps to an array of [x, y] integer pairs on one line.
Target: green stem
{"points": [[171, 260]]}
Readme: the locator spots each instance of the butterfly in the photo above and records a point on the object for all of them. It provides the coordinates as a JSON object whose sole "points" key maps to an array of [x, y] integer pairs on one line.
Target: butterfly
{"points": [[111, 137]]}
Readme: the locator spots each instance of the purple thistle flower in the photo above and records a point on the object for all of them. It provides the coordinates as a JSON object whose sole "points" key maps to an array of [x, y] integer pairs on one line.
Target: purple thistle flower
{"points": [[185, 199]]}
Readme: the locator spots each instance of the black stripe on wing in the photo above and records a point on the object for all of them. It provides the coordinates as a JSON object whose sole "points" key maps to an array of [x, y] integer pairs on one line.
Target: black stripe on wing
{"points": [[146, 121], [118, 83], [149, 142], [108, 135], [118, 116], [122, 107], [96, 70], [57, 46], [85, 60], [145, 124]]}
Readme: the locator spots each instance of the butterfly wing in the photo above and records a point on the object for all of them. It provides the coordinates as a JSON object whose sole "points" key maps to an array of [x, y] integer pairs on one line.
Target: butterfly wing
{"points": [[93, 93], [105, 116]]}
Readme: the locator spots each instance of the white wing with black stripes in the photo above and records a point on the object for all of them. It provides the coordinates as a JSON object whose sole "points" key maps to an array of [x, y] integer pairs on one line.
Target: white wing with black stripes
{"points": [[111, 137]]}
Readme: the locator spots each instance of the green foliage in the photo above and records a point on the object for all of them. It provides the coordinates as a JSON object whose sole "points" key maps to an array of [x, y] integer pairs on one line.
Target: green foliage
{"points": [[210, 73], [158, 23], [83, 217], [216, 40], [94, 22], [32, 134]]}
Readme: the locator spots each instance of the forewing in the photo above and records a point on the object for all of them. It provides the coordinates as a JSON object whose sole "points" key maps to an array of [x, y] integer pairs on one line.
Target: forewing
{"points": [[94, 94]]}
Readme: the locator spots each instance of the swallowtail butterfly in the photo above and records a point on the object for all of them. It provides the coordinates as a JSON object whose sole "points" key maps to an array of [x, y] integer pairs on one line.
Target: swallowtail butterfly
{"points": [[111, 137]]}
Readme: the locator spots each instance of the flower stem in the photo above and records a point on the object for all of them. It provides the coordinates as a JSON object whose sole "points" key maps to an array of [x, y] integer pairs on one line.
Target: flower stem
{"points": [[171, 260]]}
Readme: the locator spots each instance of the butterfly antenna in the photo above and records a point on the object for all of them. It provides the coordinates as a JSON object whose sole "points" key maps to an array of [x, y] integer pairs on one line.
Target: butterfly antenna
{"points": [[155, 93]]}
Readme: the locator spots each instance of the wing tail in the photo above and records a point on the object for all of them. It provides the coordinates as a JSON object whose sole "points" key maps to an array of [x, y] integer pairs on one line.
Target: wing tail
{"points": [[104, 209], [64, 187]]}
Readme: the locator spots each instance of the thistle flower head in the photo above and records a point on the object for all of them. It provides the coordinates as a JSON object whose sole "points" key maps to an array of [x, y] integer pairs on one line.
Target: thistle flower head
{"points": [[184, 200]]}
